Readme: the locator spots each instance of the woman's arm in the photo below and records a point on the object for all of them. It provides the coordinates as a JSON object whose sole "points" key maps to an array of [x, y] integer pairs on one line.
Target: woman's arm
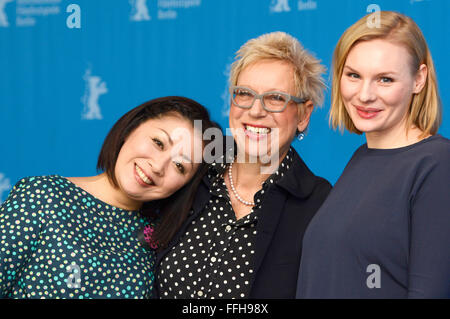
{"points": [[19, 231], [429, 263]]}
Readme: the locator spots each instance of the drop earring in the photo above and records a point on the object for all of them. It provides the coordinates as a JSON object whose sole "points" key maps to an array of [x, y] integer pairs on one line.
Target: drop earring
{"points": [[301, 136]]}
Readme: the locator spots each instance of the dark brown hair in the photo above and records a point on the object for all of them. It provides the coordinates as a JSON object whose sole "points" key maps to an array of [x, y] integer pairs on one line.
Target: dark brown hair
{"points": [[170, 213]]}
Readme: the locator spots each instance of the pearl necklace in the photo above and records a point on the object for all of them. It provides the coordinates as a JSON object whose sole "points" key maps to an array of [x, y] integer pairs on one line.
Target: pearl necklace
{"points": [[238, 197]]}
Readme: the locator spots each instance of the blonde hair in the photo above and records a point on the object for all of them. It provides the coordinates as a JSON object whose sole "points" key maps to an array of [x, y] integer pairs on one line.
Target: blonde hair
{"points": [[281, 46], [425, 110]]}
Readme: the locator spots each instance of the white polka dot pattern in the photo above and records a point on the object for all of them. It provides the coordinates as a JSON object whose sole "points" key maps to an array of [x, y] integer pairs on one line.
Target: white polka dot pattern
{"points": [[214, 258]]}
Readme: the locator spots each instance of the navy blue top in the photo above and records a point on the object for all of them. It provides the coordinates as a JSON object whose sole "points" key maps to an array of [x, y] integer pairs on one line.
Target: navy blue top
{"points": [[58, 241], [384, 230]]}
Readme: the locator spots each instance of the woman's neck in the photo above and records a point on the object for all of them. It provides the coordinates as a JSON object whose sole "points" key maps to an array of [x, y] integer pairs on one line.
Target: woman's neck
{"points": [[251, 173], [400, 138], [248, 175], [101, 187]]}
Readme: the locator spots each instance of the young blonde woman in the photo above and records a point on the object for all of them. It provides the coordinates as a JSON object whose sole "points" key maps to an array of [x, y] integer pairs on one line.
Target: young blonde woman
{"points": [[384, 230]]}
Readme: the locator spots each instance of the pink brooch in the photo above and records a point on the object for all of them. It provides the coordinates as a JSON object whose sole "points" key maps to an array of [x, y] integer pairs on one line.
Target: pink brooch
{"points": [[148, 232]]}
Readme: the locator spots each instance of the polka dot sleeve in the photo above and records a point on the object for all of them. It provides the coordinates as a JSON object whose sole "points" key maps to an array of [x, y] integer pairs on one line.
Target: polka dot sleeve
{"points": [[19, 231]]}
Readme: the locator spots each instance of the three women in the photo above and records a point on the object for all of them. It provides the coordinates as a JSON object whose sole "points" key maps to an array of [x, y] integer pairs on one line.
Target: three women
{"points": [[382, 232]]}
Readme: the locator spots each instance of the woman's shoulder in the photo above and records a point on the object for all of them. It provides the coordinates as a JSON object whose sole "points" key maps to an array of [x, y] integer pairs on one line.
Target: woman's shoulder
{"points": [[305, 180], [42, 181], [435, 154], [39, 184], [30, 194], [438, 146], [430, 153]]}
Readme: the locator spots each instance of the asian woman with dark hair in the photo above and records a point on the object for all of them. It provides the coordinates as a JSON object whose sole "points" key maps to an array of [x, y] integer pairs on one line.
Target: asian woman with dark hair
{"points": [[79, 237]]}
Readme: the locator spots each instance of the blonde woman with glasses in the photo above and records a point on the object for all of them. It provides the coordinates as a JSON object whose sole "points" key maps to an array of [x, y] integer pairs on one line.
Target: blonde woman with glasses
{"points": [[384, 231], [243, 238]]}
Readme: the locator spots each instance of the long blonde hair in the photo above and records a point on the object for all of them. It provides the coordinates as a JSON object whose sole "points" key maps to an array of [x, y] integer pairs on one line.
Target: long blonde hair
{"points": [[425, 111]]}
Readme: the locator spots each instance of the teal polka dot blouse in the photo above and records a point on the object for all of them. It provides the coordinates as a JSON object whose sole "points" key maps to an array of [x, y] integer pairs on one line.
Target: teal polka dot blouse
{"points": [[58, 241]]}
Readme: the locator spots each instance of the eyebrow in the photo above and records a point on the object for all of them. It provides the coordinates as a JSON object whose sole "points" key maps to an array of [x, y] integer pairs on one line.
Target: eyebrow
{"points": [[167, 134], [269, 90], [381, 73], [349, 67], [171, 143]]}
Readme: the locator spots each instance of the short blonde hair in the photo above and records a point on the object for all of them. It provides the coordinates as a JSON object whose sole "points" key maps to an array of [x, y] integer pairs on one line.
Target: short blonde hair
{"points": [[425, 111], [281, 46]]}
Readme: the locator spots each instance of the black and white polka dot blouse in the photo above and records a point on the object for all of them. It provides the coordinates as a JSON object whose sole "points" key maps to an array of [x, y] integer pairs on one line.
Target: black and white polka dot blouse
{"points": [[214, 258]]}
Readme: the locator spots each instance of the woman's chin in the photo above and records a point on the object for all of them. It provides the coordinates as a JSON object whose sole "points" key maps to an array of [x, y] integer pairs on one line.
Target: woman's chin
{"points": [[255, 155]]}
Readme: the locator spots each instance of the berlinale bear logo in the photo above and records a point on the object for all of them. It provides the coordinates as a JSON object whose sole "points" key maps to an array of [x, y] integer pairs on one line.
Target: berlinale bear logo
{"points": [[139, 10], [93, 89], [280, 6], [3, 16]]}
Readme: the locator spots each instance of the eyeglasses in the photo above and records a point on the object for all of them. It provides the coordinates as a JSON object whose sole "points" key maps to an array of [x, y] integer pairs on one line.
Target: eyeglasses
{"points": [[273, 101]]}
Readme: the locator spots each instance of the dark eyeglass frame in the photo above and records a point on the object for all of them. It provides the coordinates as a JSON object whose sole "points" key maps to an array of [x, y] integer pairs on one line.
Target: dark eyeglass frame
{"points": [[288, 97]]}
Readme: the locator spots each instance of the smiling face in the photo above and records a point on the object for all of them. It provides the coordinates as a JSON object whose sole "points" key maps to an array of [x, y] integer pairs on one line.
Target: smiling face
{"points": [[377, 86], [157, 158], [256, 128]]}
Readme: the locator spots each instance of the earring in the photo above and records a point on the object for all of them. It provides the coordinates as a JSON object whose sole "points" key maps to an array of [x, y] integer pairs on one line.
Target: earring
{"points": [[301, 136]]}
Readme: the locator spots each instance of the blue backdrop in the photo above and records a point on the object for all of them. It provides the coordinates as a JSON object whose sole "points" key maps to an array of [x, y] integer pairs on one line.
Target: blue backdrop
{"points": [[68, 72]]}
